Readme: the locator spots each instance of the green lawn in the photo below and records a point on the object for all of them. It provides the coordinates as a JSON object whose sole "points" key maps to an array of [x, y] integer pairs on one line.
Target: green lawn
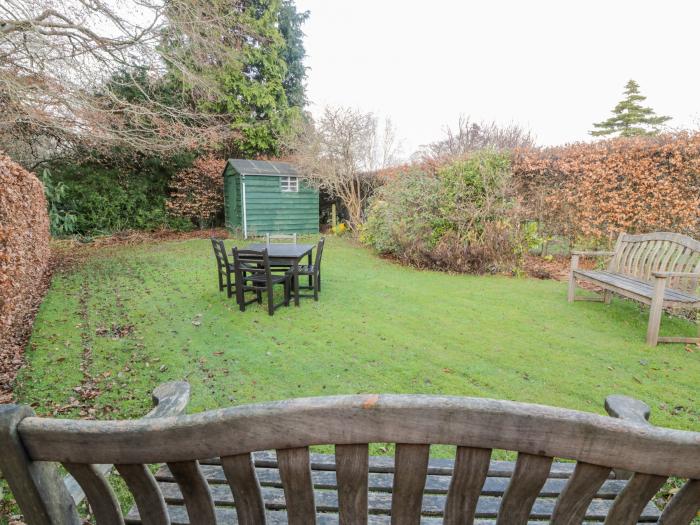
{"points": [[137, 316]]}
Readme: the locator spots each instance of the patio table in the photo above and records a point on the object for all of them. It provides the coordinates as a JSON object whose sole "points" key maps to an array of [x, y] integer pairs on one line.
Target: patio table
{"points": [[286, 254]]}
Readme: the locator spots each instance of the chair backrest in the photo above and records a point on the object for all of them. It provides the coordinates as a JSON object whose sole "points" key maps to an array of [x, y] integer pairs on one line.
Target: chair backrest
{"points": [[475, 426], [641, 255], [252, 261], [220, 253], [269, 237], [319, 252]]}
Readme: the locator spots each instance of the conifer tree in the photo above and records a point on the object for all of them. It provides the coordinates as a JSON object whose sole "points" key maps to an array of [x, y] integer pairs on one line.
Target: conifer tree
{"points": [[630, 118]]}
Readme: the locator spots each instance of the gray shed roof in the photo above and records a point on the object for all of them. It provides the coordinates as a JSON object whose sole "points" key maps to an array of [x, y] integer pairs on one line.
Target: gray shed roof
{"points": [[262, 167]]}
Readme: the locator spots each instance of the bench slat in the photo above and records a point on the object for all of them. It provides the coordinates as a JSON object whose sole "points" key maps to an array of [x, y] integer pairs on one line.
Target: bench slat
{"points": [[633, 499], [409, 480], [470, 471], [295, 472], [528, 478], [352, 463], [195, 491], [98, 492], [243, 481], [582, 487], [636, 286], [144, 487]]}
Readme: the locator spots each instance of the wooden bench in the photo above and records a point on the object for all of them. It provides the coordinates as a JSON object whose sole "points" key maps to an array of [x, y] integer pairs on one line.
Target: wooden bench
{"points": [[658, 269], [214, 473]]}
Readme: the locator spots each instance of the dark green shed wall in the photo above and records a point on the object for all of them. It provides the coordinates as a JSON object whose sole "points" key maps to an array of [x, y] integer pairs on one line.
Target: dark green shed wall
{"points": [[268, 209]]}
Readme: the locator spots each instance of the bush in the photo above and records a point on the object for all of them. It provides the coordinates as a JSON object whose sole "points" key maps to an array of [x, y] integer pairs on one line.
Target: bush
{"points": [[112, 196], [24, 263], [597, 190], [464, 218], [197, 193]]}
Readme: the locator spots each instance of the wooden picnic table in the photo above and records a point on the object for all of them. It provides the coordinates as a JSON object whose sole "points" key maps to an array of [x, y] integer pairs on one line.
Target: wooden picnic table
{"points": [[286, 254]]}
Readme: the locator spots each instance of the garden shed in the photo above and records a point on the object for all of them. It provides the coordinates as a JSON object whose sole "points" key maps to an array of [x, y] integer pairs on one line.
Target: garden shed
{"points": [[268, 197]]}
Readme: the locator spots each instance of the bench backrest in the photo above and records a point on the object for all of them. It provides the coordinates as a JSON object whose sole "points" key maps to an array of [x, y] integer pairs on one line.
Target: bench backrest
{"points": [[476, 426], [641, 255]]}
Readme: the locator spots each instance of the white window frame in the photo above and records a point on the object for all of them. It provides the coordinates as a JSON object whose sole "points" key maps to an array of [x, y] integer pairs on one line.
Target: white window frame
{"points": [[289, 184]]}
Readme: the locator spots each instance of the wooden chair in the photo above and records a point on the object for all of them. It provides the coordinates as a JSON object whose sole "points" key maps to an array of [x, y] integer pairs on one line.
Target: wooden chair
{"points": [[214, 471], [272, 237], [658, 269], [312, 270], [253, 274], [223, 267]]}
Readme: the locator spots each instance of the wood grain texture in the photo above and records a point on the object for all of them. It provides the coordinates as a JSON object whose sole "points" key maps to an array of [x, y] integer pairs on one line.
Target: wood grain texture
{"points": [[103, 502], [37, 487], [633, 498], [352, 464], [411, 469], [295, 472], [574, 500], [195, 491], [240, 473], [144, 488], [530, 474], [473, 422], [684, 506], [470, 471]]}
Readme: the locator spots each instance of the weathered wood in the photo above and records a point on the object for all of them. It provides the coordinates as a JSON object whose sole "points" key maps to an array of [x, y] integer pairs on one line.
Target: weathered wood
{"points": [[572, 277], [684, 506], [353, 483], [583, 486], [474, 422], [103, 502], [409, 480], [470, 471], [655, 311], [240, 473], [37, 487], [195, 491], [530, 475], [144, 487], [295, 471], [633, 498]]}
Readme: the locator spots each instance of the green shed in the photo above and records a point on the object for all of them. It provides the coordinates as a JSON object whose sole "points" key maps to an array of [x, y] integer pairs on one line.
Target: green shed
{"points": [[268, 197]]}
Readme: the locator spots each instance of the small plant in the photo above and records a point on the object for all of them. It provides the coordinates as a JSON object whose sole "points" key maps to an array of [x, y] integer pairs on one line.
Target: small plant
{"points": [[61, 221]]}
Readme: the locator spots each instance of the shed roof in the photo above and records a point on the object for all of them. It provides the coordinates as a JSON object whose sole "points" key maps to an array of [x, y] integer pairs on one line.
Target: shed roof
{"points": [[262, 167]]}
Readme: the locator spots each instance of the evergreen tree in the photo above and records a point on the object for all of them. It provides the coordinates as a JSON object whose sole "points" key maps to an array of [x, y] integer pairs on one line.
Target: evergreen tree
{"points": [[290, 22], [630, 118]]}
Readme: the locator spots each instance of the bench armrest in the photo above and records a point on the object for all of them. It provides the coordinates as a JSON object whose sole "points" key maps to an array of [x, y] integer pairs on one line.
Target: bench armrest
{"points": [[675, 274], [592, 254]]}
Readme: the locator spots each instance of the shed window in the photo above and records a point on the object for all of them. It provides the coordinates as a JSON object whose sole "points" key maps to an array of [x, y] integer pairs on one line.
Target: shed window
{"points": [[290, 183]]}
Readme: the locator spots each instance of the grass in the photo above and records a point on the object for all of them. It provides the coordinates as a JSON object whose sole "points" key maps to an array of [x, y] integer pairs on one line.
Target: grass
{"points": [[130, 318]]}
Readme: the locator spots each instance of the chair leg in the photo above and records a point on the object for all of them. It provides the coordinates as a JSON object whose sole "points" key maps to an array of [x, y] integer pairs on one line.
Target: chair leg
{"points": [[287, 292], [221, 283], [258, 294], [271, 300], [316, 287], [318, 278], [295, 278], [229, 290], [655, 311]]}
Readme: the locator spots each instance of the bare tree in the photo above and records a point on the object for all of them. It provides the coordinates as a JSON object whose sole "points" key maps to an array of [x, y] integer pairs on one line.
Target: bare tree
{"points": [[82, 72], [473, 136], [341, 153]]}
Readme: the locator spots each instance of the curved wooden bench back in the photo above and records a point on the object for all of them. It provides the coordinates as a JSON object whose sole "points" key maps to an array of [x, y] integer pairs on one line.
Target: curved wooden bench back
{"points": [[476, 426], [641, 255]]}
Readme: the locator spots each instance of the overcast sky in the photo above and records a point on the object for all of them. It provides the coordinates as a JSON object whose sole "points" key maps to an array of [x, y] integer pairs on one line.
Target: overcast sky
{"points": [[553, 66]]}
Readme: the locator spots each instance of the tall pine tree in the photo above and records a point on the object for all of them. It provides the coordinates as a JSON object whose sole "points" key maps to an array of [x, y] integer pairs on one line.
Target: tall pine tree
{"points": [[630, 118]]}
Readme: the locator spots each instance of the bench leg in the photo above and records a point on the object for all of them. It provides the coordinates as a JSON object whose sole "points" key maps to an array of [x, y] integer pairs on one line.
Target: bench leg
{"points": [[607, 297], [656, 310], [572, 280]]}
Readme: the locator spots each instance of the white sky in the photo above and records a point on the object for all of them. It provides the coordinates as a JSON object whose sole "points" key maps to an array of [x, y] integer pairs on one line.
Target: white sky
{"points": [[553, 66]]}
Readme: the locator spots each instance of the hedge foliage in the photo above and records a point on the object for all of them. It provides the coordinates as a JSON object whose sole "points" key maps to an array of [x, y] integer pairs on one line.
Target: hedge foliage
{"points": [[597, 190], [24, 263]]}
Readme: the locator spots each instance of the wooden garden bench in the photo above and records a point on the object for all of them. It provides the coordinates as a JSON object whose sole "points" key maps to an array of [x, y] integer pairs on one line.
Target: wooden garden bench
{"points": [[214, 473], [658, 269]]}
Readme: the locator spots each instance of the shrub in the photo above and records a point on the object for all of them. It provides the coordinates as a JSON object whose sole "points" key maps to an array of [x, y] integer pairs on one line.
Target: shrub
{"points": [[464, 218], [197, 193], [600, 189], [24, 263]]}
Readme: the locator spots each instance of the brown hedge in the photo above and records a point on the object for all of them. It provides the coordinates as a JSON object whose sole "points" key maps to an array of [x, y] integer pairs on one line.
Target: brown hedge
{"points": [[24, 263], [599, 189]]}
